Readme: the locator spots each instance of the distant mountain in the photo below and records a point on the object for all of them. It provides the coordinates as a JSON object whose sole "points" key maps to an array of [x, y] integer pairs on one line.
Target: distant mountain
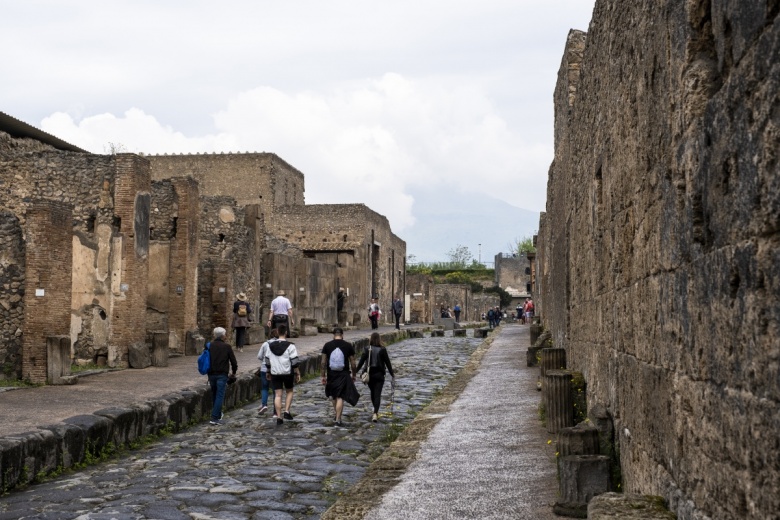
{"points": [[447, 218]]}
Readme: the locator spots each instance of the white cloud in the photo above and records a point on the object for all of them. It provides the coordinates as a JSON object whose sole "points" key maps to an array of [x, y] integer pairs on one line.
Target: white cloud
{"points": [[369, 141]]}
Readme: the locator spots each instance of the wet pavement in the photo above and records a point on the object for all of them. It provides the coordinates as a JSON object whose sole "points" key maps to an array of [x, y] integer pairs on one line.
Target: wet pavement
{"points": [[252, 468]]}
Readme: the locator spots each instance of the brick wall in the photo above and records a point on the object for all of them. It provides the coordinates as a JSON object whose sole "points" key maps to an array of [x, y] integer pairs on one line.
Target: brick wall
{"points": [[659, 249], [48, 283], [132, 202]]}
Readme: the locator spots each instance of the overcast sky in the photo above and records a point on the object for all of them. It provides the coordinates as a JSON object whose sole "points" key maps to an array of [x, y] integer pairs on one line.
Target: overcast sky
{"points": [[367, 99]]}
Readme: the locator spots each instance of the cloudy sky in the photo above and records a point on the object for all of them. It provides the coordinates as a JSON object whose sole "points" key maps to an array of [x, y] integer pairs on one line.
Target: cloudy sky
{"points": [[370, 100]]}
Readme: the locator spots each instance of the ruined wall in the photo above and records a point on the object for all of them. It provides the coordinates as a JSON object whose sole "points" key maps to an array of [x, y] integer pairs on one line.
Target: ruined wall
{"points": [[420, 287], [513, 274], [264, 179], [660, 251], [310, 285], [12, 268], [447, 295], [362, 238], [226, 264]]}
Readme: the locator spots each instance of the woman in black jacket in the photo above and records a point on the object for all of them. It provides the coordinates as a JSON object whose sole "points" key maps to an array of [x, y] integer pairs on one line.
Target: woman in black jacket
{"points": [[376, 366]]}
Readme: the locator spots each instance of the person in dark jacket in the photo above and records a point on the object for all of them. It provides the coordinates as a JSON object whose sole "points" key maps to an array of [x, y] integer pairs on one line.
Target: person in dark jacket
{"points": [[222, 360], [376, 367], [338, 372], [242, 315]]}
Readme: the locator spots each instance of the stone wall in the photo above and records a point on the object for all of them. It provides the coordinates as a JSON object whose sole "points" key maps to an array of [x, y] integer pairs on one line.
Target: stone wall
{"points": [[264, 179], [361, 237], [447, 295], [659, 252], [513, 274], [12, 269]]}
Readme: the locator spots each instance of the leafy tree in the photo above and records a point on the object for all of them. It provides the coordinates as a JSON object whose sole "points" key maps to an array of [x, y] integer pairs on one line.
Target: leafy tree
{"points": [[523, 245], [505, 298], [460, 256]]}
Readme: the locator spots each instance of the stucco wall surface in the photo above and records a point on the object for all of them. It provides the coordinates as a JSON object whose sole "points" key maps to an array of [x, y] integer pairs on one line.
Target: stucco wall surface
{"points": [[660, 249]]}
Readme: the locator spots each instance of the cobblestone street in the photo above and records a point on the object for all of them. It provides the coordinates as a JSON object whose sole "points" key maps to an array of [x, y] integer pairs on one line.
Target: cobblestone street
{"points": [[252, 468]]}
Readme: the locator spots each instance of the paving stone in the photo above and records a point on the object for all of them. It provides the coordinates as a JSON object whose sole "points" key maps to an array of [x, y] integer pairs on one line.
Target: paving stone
{"points": [[250, 468]]}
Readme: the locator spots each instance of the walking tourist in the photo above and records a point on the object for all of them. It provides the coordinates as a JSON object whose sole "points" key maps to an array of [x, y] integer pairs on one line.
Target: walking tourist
{"points": [[374, 312], [398, 309], [338, 372], [222, 360], [284, 373], [457, 312], [376, 361], [242, 315], [529, 311], [281, 312], [264, 382]]}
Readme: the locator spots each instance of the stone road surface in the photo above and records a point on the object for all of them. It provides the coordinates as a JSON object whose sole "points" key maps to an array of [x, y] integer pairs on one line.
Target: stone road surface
{"points": [[488, 458], [250, 468]]}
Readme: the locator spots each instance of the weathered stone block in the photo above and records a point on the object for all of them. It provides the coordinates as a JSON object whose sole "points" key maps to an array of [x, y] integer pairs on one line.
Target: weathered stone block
{"points": [[193, 344], [139, 356], [459, 333], [532, 356], [535, 331], [481, 333], [582, 439], [628, 506], [160, 349], [437, 333], [57, 359], [255, 334], [582, 478], [445, 323]]}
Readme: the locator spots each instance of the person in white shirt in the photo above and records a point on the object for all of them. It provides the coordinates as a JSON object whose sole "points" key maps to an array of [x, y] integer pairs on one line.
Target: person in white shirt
{"points": [[264, 382], [282, 365], [281, 312]]}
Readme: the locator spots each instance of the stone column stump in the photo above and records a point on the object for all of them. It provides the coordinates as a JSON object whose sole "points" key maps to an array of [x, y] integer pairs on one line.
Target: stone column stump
{"points": [[582, 478], [582, 439], [58, 361], [536, 331], [558, 400], [160, 349]]}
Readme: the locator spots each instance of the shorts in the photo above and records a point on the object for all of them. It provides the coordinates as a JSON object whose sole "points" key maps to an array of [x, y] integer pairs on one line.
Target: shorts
{"points": [[281, 381]]}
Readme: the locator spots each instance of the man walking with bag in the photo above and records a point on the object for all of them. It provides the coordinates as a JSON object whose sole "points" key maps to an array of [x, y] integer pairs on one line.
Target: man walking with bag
{"points": [[222, 360], [338, 372]]}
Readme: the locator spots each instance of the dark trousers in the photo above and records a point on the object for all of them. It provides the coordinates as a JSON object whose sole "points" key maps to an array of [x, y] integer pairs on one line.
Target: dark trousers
{"points": [[374, 322], [457, 316], [375, 384], [240, 337], [397, 321]]}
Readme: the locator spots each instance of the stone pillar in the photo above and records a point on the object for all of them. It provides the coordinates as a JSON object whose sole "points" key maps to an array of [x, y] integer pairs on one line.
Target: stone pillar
{"points": [[160, 349], [58, 360], [558, 400], [48, 283], [582, 478], [536, 331], [183, 263], [130, 272], [582, 439], [553, 359], [194, 343]]}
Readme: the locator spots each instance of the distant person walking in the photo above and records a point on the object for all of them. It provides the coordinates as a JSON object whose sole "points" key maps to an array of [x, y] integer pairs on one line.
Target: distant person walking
{"points": [[338, 372], [374, 312], [376, 361], [456, 310], [281, 312], [242, 315], [398, 309], [491, 317], [529, 311], [264, 382], [222, 360], [282, 366]]}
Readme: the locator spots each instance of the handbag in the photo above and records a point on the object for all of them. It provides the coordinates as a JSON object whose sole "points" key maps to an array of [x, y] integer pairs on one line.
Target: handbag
{"points": [[365, 376]]}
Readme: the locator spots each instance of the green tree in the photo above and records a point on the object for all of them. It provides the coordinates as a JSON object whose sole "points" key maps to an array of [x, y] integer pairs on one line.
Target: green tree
{"points": [[523, 245], [460, 256]]}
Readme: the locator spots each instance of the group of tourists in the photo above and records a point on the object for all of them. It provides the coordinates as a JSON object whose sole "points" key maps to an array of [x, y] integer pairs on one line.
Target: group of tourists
{"points": [[493, 316], [280, 365]]}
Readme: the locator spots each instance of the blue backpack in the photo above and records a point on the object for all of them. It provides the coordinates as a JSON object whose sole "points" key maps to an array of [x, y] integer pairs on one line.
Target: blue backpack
{"points": [[204, 360]]}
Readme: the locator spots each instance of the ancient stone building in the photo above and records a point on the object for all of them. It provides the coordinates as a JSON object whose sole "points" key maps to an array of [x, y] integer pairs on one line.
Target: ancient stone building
{"points": [[308, 251], [79, 229], [659, 253], [513, 274]]}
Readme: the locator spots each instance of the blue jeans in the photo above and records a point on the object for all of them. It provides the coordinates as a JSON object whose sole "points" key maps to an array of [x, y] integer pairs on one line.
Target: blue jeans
{"points": [[264, 385], [218, 384]]}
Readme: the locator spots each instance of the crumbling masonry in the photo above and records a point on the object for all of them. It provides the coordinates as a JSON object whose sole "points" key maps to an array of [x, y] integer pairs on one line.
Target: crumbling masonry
{"points": [[659, 254]]}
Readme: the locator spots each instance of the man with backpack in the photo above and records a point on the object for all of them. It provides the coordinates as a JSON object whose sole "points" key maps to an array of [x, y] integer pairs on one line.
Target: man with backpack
{"points": [[282, 365], [222, 360], [338, 372]]}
